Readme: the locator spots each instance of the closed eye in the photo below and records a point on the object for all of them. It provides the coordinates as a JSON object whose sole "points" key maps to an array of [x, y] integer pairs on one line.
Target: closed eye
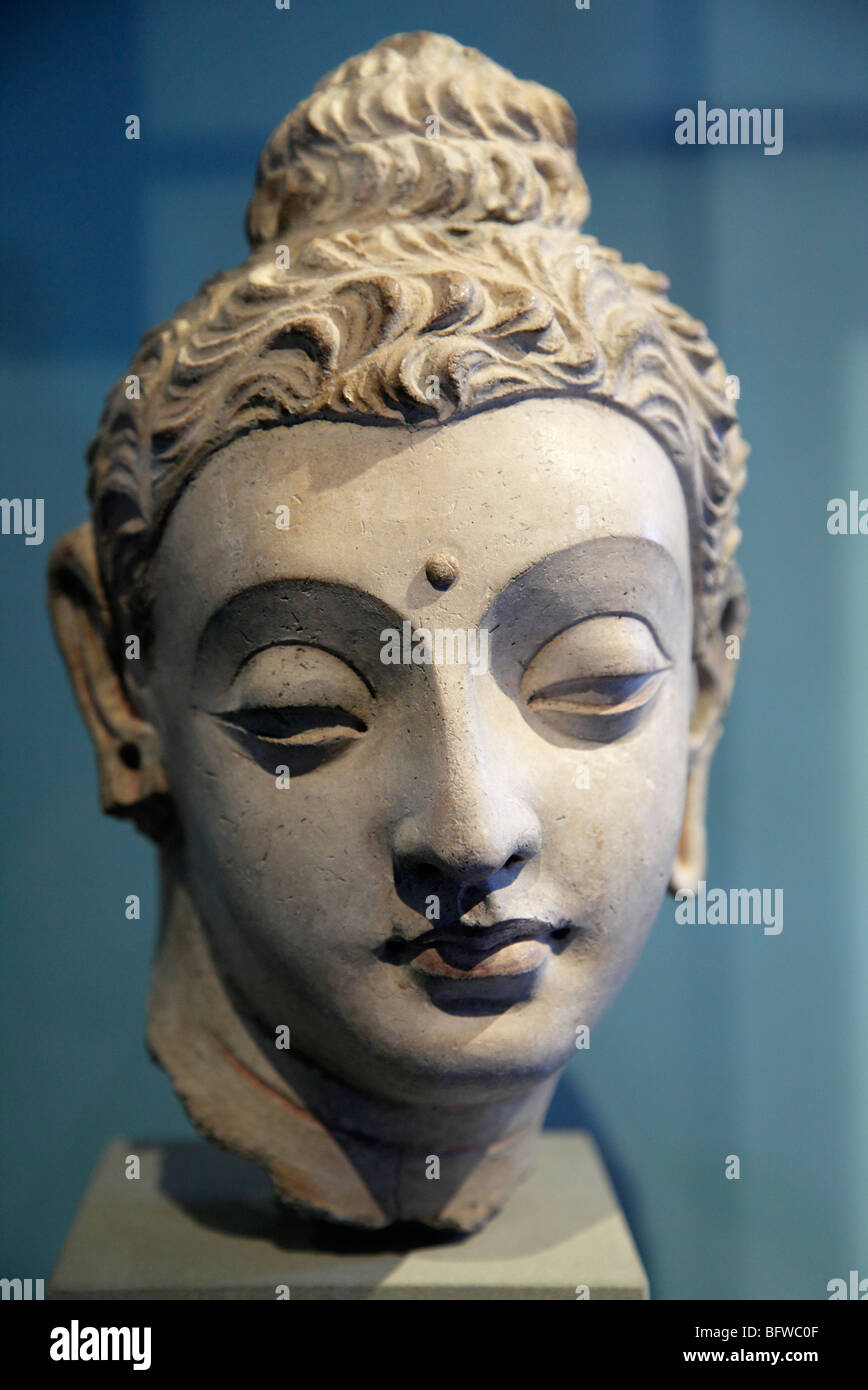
{"points": [[296, 726], [601, 696]]}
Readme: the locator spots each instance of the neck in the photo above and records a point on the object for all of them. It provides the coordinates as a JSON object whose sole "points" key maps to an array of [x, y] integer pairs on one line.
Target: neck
{"points": [[331, 1150]]}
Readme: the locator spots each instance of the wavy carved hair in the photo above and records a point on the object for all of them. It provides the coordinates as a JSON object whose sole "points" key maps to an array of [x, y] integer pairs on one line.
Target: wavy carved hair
{"points": [[430, 208]]}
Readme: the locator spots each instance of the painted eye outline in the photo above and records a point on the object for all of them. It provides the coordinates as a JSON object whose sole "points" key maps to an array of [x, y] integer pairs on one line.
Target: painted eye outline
{"points": [[562, 696], [314, 724], [572, 689], [317, 721], [321, 733]]}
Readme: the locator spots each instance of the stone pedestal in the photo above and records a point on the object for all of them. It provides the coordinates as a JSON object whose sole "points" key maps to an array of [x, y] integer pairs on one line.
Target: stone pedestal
{"points": [[201, 1223]]}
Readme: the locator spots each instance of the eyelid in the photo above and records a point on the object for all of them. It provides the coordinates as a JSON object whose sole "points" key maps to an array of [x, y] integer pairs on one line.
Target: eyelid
{"points": [[562, 696], [596, 678], [315, 700], [296, 674], [606, 644], [295, 725], [300, 650]]}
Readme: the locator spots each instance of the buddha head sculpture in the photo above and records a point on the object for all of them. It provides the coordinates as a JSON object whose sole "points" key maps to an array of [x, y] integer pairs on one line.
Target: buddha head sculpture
{"points": [[400, 626]]}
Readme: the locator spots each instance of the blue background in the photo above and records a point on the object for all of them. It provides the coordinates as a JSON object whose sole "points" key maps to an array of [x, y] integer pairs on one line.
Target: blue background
{"points": [[722, 1042]]}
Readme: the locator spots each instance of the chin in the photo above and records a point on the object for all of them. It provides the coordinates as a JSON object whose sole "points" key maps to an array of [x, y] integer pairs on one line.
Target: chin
{"points": [[465, 1061]]}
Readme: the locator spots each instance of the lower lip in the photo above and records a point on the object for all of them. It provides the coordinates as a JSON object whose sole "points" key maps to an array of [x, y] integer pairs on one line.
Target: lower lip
{"points": [[519, 958]]}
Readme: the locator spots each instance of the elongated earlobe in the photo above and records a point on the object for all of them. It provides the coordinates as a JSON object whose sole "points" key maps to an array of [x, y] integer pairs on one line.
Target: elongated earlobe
{"points": [[132, 780], [715, 674]]}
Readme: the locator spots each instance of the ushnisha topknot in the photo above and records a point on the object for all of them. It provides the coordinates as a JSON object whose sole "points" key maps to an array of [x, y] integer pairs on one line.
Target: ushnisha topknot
{"points": [[419, 127], [417, 255]]}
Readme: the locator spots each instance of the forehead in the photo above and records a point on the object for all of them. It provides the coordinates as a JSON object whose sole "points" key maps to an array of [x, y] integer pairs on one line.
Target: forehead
{"points": [[368, 505]]}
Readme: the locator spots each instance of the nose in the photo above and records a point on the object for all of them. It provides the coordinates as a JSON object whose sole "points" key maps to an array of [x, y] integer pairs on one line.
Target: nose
{"points": [[469, 826]]}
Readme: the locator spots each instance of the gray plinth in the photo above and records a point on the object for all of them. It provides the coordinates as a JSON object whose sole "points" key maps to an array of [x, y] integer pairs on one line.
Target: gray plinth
{"points": [[200, 1223]]}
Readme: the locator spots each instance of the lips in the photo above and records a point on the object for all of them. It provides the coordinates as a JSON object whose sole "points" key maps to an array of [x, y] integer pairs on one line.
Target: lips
{"points": [[519, 958], [460, 952]]}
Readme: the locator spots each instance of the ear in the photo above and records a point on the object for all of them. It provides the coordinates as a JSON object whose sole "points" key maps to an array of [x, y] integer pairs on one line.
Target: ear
{"points": [[132, 781], [714, 676]]}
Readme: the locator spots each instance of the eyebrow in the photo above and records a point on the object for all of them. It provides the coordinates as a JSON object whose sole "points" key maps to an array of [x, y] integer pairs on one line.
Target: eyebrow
{"points": [[616, 576], [605, 575], [286, 612]]}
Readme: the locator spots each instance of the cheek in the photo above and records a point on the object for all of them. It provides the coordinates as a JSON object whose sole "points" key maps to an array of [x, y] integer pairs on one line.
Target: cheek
{"points": [[613, 817], [294, 863]]}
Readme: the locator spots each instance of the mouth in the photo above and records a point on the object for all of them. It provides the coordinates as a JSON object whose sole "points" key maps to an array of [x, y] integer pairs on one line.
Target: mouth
{"points": [[463, 952]]}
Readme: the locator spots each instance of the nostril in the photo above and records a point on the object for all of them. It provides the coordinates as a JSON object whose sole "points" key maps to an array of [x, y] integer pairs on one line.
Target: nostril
{"points": [[513, 860], [560, 933], [423, 878]]}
